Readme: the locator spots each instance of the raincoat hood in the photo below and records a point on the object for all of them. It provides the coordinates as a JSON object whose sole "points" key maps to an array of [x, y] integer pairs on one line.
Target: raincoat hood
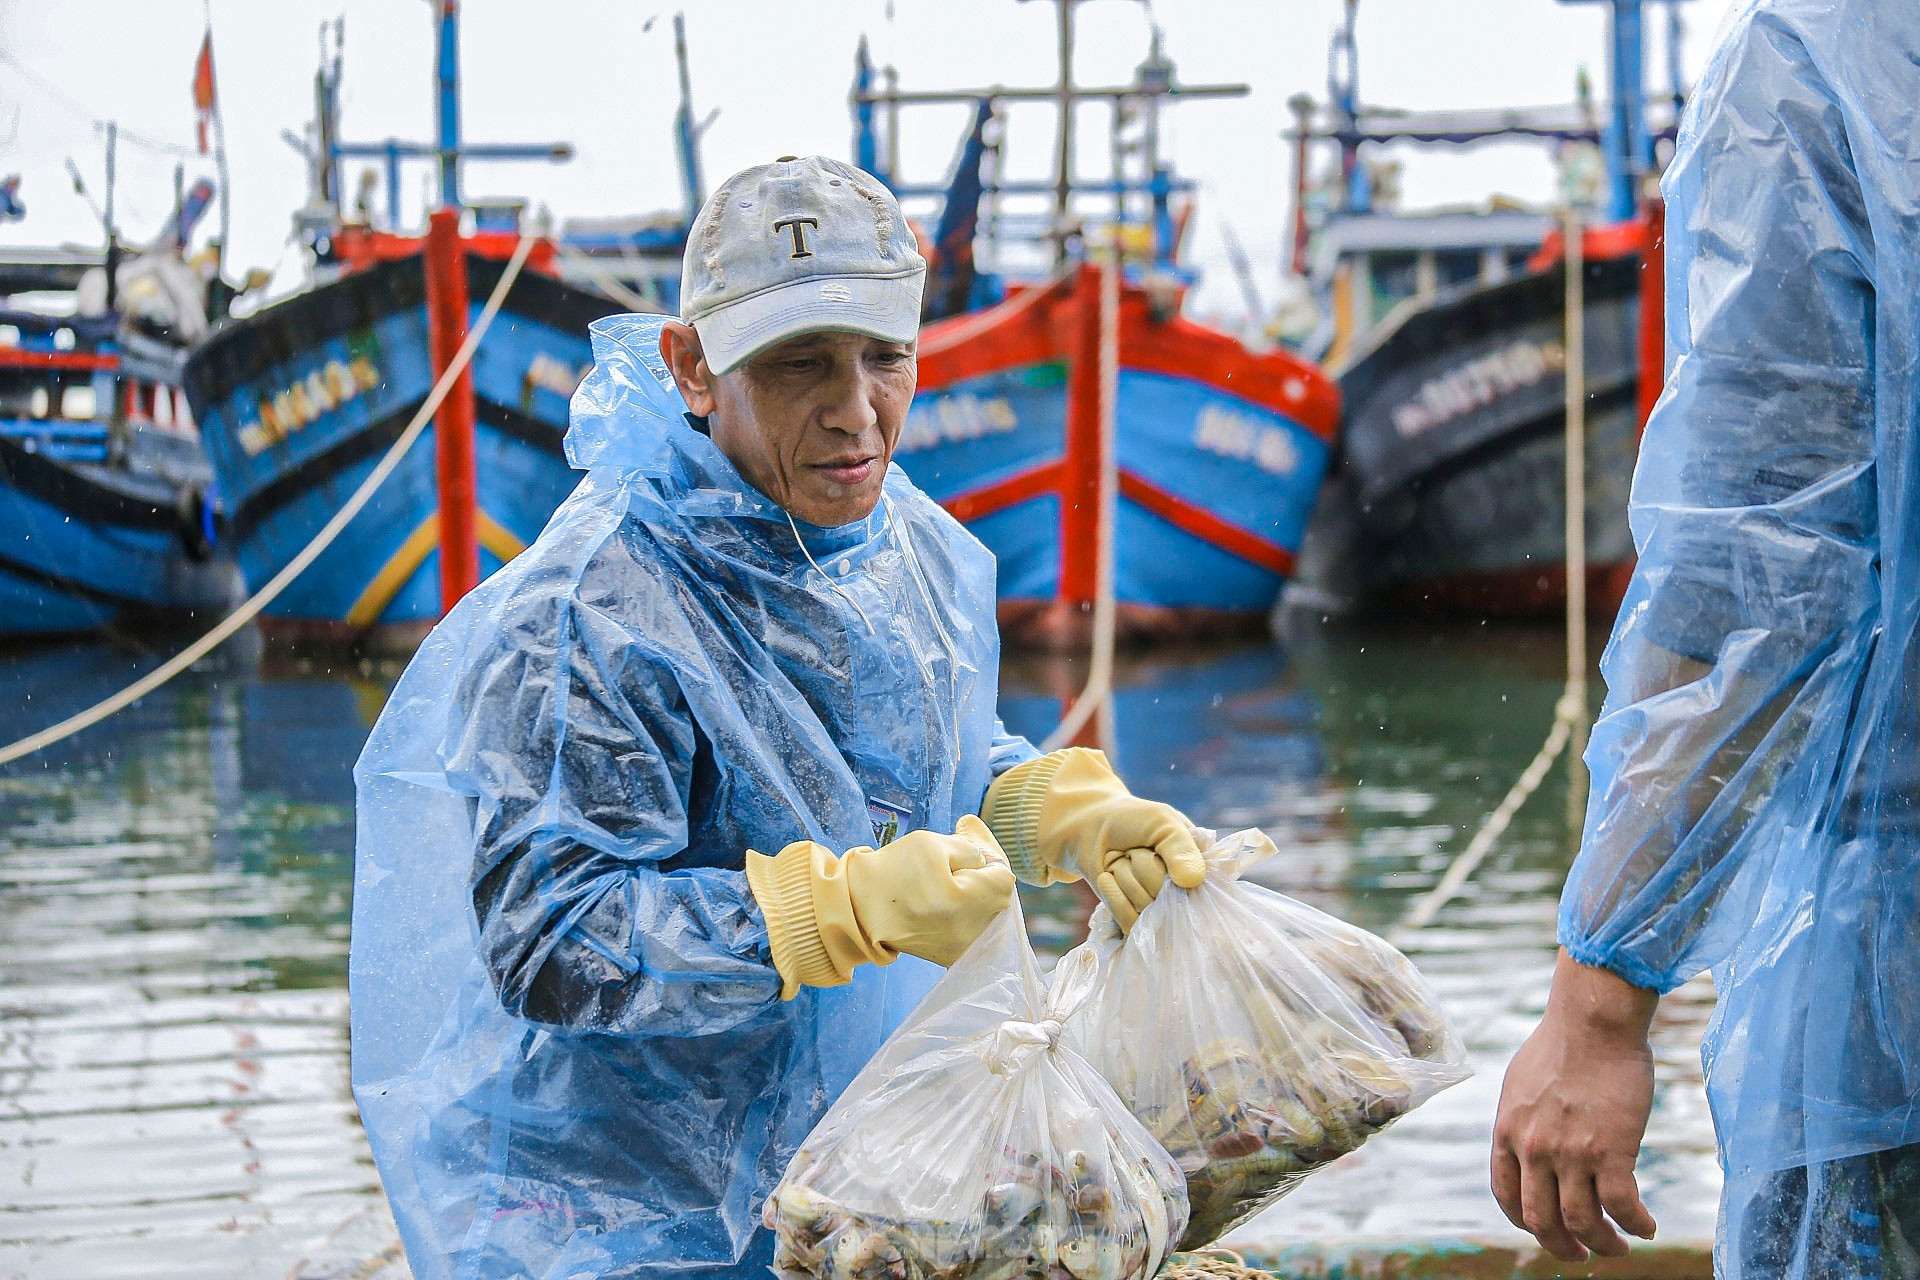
{"points": [[627, 416]]}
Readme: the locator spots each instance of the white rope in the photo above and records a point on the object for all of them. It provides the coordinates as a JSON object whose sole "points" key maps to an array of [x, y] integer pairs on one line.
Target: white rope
{"points": [[241, 616], [1098, 693], [608, 283], [1570, 713], [1574, 259], [1566, 712]]}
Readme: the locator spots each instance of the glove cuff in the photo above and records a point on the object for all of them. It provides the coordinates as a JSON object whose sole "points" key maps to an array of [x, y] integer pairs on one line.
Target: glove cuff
{"points": [[802, 892], [1012, 812]]}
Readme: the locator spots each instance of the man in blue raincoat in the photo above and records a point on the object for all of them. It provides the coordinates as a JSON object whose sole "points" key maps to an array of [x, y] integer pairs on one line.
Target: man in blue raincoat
{"points": [[670, 822], [1755, 805]]}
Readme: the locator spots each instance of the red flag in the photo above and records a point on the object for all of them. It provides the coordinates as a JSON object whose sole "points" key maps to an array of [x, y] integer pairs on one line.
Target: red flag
{"points": [[203, 90]]}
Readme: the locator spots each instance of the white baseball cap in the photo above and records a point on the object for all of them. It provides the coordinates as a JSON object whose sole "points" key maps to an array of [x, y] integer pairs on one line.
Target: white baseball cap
{"points": [[798, 246]]}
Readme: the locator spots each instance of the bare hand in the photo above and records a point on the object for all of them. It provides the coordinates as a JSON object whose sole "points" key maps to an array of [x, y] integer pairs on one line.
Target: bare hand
{"points": [[1573, 1110]]}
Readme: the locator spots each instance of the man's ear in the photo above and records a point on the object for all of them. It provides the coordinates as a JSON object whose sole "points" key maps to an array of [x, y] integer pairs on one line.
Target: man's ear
{"points": [[680, 348]]}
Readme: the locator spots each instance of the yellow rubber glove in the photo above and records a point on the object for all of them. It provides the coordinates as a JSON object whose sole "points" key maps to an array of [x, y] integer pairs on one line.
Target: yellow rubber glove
{"points": [[1067, 816], [926, 894]]}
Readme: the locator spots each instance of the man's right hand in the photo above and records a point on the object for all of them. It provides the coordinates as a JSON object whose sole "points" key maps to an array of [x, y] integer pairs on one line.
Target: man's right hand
{"points": [[1573, 1110], [927, 894]]}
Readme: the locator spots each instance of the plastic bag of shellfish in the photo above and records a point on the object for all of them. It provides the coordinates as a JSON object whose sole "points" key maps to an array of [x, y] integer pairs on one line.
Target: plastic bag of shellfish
{"points": [[1257, 1038], [978, 1146]]}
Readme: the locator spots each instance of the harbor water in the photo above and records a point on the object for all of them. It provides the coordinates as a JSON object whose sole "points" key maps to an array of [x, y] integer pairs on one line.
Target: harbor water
{"points": [[175, 885]]}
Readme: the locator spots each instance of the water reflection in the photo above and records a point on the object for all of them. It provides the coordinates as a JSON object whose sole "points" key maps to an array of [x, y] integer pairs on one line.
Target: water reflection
{"points": [[173, 908], [174, 902]]}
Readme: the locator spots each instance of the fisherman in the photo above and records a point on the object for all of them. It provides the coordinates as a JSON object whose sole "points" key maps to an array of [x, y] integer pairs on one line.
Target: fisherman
{"points": [[1755, 803], [592, 1017]]}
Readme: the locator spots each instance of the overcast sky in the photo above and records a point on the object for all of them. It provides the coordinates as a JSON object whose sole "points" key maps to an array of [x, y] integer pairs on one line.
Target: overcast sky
{"points": [[589, 72]]}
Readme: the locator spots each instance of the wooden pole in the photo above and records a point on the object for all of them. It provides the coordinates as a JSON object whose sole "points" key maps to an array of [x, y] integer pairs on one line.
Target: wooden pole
{"points": [[1576, 443], [446, 263], [1107, 547], [1080, 480], [1653, 309]]}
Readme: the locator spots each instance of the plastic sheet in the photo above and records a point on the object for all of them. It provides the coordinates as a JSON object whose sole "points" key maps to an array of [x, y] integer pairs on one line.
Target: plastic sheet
{"points": [[976, 1146], [1256, 1037], [568, 1047], [1756, 782]]}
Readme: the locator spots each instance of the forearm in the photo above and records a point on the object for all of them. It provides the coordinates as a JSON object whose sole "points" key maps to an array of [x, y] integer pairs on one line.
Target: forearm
{"points": [[635, 951], [1598, 1002], [1687, 758]]}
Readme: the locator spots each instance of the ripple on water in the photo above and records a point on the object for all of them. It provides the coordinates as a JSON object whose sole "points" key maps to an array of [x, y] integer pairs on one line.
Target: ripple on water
{"points": [[174, 895]]}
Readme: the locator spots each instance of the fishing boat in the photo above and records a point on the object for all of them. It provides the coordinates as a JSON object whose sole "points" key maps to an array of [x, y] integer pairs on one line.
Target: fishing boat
{"points": [[299, 401], [1219, 448], [1447, 330], [107, 502], [1451, 489], [1219, 452]]}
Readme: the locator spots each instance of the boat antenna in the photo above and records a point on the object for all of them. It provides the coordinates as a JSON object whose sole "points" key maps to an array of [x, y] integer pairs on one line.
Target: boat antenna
{"points": [[1243, 272]]}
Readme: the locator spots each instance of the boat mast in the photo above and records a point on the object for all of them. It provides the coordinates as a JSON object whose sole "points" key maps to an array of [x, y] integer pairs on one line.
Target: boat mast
{"points": [[449, 149], [325, 159], [1628, 144], [686, 133], [1063, 158], [447, 74], [1153, 82], [113, 232], [866, 150], [1343, 90]]}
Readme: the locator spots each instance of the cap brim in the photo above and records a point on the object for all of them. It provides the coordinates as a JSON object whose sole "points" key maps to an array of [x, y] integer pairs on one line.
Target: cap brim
{"points": [[887, 308]]}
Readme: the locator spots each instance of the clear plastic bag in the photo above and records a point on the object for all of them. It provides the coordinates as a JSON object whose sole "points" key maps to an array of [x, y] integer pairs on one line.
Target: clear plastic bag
{"points": [[1257, 1038], [977, 1146]]}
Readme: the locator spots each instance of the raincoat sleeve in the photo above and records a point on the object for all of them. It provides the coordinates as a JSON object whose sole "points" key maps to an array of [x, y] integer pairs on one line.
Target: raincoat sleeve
{"points": [[1009, 749], [1753, 513], [578, 751]]}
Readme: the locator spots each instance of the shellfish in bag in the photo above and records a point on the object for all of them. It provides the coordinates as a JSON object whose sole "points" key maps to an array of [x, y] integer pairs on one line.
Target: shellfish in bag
{"points": [[1257, 1038], [977, 1146]]}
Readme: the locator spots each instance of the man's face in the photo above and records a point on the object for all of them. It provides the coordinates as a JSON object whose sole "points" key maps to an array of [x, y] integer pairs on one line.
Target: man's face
{"points": [[811, 422]]}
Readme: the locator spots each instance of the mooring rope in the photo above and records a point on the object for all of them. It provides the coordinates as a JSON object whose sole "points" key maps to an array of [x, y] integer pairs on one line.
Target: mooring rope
{"points": [[247, 611], [1570, 709], [1211, 1263], [1570, 713], [610, 284]]}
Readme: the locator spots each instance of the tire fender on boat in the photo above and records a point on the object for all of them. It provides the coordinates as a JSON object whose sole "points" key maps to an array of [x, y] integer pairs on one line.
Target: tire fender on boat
{"points": [[199, 521]]}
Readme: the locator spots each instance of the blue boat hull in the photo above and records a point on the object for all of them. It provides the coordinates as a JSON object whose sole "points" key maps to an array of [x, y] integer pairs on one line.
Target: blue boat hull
{"points": [[1220, 453], [91, 544], [299, 403]]}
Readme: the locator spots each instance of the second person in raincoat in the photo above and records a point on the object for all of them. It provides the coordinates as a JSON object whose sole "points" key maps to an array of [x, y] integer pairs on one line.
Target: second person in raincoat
{"points": [[1755, 806]]}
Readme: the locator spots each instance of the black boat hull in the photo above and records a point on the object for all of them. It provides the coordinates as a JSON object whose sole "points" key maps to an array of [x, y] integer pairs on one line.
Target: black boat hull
{"points": [[1450, 490]]}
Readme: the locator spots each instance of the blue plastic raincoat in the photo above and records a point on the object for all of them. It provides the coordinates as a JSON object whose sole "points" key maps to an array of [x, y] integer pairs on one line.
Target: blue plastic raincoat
{"points": [[1755, 805], [568, 1045]]}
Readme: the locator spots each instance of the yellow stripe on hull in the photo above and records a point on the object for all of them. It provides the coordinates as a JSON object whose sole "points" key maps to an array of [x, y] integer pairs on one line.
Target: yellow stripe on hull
{"points": [[406, 561]]}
